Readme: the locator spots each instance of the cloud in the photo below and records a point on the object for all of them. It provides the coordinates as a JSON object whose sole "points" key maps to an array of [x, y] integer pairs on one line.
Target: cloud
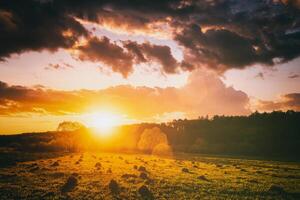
{"points": [[147, 52], [58, 66], [103, 50], [204, 94], [216, 48], [122, 58], [285, 102], [6, 19], [36, 100], [292, 3], [220, 35], [294, 76], [35, 26], [260, 75]]}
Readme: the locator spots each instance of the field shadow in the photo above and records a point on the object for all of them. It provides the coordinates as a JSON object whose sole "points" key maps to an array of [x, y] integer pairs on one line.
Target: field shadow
{"points": [[10, 157]]}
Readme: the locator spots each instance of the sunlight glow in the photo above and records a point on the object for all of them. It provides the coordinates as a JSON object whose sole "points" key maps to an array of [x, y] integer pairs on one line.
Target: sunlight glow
{"points": [[104, 122]]}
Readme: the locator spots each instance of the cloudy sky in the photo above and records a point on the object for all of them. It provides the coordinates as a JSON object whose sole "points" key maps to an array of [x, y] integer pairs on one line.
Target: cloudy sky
{"points": [[145, 60]]}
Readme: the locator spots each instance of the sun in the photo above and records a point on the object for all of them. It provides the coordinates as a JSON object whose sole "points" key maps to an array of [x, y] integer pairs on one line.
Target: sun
{"points": [[104, 122]]}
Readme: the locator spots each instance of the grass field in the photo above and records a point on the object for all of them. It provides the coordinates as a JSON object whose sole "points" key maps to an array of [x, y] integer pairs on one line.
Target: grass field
{"points": [[132, 176]]}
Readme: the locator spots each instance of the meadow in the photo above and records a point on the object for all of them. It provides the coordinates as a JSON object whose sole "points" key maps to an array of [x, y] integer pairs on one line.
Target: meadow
{"points": [[219, 158], [94, 175]]}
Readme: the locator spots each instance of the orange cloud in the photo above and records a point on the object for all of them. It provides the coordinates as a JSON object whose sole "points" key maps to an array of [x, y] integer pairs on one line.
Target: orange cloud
{"points": [[285, 102], [204, 94]]}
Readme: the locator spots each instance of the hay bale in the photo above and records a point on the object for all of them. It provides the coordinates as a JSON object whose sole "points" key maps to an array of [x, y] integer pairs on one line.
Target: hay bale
{"points": [[58, 175], [98, 165], [277, 189], [185, 170], [34, 169], [75, 174], [142, 169], [143, 175], [70, 184], [127, 176], [202, 177], [145, 192], [114, 186], [55, 164]]}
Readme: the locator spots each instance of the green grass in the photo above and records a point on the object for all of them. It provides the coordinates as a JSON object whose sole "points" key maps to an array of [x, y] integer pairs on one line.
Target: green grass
{"points": [[207, 177]]}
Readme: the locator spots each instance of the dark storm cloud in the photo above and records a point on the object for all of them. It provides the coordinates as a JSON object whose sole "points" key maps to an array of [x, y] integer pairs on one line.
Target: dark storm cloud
{"points": [[103, 50], [242, 33], [292, 3], [147, 52], [31, 25], [219, 34], [216, 47], [121, 58]]}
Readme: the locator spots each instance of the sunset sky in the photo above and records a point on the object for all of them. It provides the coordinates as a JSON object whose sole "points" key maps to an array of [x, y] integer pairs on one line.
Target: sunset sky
{"points": [[145, 61]]}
